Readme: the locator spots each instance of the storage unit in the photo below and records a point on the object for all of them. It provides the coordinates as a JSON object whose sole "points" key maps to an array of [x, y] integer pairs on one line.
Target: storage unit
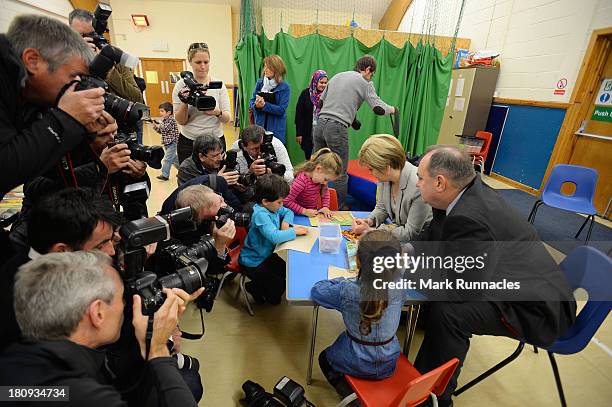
{"points": [[468, 103]]}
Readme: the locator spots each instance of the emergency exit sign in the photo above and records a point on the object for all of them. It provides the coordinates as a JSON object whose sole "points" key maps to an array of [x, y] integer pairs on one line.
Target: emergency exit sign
{"points": [[602, 114]]}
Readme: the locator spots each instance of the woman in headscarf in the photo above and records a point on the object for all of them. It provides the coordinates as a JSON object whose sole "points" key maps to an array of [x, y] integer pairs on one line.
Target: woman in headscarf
{"points": [[307, 111]]}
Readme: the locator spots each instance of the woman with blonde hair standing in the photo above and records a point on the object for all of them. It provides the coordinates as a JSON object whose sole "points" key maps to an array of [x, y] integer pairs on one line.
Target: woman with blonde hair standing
{"points": [[398, 198], [271, 98], [193, 122]]}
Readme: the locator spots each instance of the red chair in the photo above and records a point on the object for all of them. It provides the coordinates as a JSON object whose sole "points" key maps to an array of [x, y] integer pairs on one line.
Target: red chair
{"points": [[480, 157], [406, 388], [233, 250], [333, 199]]}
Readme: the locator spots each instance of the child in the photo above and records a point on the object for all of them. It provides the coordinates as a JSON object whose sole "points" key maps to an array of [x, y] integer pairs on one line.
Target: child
{"points": [[169, 135], [368, 348], [309, 190], [270, 225]]}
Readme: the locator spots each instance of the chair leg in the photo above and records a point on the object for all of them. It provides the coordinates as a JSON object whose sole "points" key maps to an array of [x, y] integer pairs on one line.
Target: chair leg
{"points": [[534, 210], [582, 227], [225, 275], [246, 296], [492, 370], [553, 364], [588, 238]]}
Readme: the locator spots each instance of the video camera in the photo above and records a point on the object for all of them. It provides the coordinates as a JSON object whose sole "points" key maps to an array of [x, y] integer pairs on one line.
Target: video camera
{"points": [[231, 164], [287, 393], [190, 264], [100, 24], [268, 154], [197, 92]]}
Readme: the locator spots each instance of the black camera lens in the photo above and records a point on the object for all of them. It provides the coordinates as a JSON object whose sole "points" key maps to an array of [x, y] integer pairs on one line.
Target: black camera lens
{"points": [[275, 167], [152, 155], [187, 278], [124, 111], [256, 396]]}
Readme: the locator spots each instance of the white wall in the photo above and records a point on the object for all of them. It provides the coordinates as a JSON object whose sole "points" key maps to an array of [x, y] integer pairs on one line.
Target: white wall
{"points": [[53, 8], [540, 41], [271, 18], [176, 24]]}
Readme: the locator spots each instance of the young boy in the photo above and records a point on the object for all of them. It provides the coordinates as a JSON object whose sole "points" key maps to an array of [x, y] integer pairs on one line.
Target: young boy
{"points": [[271, 224], [169, 135]]}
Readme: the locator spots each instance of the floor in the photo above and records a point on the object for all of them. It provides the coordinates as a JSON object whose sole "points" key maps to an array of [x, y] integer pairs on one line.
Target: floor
{"points": [[275, 343]]}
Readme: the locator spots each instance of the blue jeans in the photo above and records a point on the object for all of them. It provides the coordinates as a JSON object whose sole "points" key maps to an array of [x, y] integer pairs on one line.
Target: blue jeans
{"points": [[170, 158]]}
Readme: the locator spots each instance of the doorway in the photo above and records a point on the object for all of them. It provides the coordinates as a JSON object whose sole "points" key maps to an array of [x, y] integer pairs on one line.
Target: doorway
{"points": [[160, 74], [585, 137]]}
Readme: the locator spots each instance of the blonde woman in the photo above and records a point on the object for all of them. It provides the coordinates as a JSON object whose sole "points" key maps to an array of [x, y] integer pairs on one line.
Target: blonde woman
{"points": [[194, 123], [271, 98], [398, 197]]}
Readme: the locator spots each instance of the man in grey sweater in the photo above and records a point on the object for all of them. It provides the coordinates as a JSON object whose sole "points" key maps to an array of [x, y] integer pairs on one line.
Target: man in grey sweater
{"points": [[341, 99]]}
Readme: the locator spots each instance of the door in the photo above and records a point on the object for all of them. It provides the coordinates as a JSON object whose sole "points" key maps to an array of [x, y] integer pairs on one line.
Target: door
{"points": [[593, 147], [160, 83], [458, 99]]}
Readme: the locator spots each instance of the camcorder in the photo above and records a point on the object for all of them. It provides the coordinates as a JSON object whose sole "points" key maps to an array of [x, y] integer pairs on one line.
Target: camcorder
{"points": [[268, 154], [287, 393], [183, 267], [231, 164], [197, 92], [100, 25]]}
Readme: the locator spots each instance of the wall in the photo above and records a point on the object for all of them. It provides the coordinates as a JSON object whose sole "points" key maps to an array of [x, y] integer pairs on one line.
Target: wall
{"points": [[541, 41], [176, 24], [271, 18], [53, 8]]}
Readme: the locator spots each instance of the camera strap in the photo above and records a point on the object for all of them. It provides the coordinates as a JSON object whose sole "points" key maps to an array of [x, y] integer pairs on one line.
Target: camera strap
{"points": [[148, 336], [66, 171], [195, 337], [395, 122]]}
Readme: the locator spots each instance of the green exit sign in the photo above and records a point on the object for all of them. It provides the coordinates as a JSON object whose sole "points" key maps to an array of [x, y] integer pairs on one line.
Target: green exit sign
{"points": [[602, 114]]}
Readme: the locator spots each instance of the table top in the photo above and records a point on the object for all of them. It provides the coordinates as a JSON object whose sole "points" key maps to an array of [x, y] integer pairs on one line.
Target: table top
{"points": [[305, 269]]}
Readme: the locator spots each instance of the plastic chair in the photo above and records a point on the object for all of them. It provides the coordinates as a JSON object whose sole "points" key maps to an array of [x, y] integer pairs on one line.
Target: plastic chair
{"points": [[407, 387], [333, 199], [587, 268], [585, 180], [233, 267], [480, 157]]}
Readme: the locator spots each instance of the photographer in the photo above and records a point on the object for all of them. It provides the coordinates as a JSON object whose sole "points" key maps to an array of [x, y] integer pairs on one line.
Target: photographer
{"points": [[194, 122], [120, 79], [214, 182], [40, 55], [249, 161], [70, 220], [205, 159], [64, 331]]}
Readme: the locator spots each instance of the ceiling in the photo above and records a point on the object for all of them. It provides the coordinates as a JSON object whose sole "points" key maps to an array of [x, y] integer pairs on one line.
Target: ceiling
{"points": [[375, 7]]}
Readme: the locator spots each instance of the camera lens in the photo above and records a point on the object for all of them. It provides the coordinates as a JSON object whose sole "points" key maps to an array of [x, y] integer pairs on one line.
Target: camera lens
{"points": [[187, 278], [152, 155]]}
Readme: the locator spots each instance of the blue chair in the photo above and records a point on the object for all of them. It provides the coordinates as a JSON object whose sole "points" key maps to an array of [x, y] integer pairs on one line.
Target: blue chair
{"points": [[588, 268], [585, 179]]}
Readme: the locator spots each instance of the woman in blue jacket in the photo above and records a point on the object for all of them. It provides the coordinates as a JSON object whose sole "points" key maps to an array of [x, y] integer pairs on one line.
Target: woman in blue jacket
{"points": [[271, 98], [368, 348]]}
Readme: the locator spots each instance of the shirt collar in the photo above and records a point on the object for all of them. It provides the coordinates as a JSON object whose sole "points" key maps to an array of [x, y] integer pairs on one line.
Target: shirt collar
{"points": [[33, 254], [454, 202]]}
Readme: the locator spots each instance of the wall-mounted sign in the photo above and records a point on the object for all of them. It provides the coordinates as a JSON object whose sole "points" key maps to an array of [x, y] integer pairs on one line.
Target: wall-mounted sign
{"points": [[604, 97], [561, 85], [602, 114]]}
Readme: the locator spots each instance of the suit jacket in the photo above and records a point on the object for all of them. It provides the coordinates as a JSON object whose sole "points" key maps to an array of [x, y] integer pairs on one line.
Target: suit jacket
{"points": [[411, 214], [543, 308]]}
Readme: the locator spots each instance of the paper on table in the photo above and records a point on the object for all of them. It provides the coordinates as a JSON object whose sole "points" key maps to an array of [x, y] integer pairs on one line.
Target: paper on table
{"points": [[301, 243], [335, 272], [341, 218]]}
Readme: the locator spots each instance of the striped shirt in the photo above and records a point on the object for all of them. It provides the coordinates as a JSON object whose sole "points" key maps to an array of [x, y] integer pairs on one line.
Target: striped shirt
{"points": [[168, 130], [305, 194]]}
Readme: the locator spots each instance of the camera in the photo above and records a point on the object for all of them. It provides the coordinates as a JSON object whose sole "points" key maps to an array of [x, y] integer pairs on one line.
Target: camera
{"points": [[152, 155], [287, 393], [100, 24], [269, 155], [197, 92], [190, 263], [226, 213], [231, 164]]}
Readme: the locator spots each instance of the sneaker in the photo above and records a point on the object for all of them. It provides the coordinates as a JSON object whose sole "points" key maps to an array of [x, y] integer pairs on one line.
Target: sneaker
{"points": [[161, 177]]}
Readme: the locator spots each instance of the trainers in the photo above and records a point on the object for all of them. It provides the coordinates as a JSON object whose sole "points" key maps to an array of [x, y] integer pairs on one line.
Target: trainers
{"points": [[162, 178]]}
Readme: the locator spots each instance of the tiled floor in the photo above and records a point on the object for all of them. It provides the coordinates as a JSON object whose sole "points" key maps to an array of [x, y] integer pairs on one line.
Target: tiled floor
{"points": [[275, 342]]}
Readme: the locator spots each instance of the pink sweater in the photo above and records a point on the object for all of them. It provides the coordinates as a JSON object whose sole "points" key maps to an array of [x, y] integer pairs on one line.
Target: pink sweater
{"points": [[305, 194]]}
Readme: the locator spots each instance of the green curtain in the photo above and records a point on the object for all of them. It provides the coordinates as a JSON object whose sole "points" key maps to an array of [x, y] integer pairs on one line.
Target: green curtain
{"points": [[414, 79]]}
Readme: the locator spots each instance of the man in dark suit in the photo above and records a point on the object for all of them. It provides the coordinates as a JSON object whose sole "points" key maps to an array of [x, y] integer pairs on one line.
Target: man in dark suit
{"points": [[469, 216]]}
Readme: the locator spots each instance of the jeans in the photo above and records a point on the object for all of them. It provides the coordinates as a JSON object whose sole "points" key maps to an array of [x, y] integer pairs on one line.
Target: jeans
{"points": [[170, 158], [330, 133]]}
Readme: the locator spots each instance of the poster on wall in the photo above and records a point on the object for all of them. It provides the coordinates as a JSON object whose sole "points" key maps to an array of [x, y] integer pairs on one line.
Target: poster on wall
{"points": [[604, 96]]}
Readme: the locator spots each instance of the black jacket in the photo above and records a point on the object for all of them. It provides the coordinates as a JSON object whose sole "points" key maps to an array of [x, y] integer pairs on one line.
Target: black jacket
{"points": [[64, 363], [31, 140], [303, 120], [221, 187], [543, 309]]}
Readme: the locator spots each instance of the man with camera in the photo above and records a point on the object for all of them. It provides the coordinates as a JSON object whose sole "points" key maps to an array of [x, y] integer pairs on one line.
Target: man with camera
{"points": [[63, 331], [206, 159], [251, 159], [339, 103], [120, 79]]}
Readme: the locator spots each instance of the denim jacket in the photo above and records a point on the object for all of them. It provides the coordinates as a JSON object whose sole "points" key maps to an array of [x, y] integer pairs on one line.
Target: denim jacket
{"points": [[348, 356]]}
